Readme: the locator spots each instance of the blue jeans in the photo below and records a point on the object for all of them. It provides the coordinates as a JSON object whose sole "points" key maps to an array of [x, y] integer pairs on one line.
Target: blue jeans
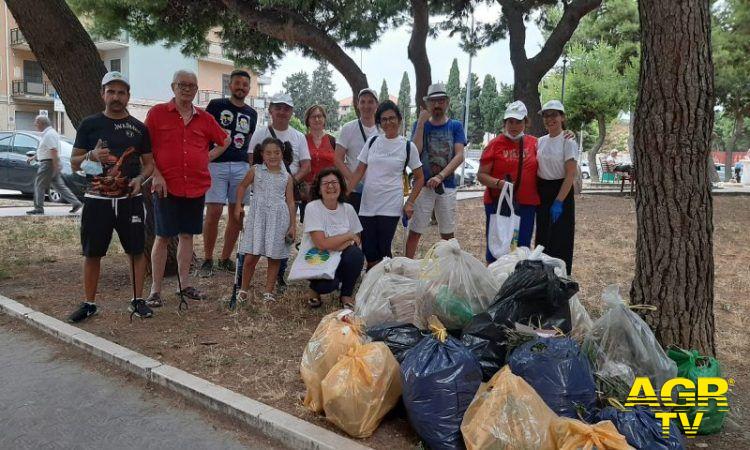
{"points": [[352, 260], [527, 213]]}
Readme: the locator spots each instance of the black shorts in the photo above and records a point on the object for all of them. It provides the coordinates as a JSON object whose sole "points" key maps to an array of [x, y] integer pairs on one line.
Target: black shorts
{"points": [[101, 216], [377, 236], [178, 215]]}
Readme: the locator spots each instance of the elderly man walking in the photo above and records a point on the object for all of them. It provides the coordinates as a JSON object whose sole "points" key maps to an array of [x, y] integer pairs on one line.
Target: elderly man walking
{"points": [[48, 173], [181, 135]]}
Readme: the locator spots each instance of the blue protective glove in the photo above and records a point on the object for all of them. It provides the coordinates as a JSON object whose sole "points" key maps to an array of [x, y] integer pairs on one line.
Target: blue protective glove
{"points": [[556, 210]]}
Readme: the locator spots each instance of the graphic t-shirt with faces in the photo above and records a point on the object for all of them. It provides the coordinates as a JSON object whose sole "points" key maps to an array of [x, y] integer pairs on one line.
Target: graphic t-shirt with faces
{"points": [[239, 122]]}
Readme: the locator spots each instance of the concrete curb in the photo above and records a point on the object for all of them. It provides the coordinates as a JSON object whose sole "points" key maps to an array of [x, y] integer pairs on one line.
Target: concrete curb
{"points": [[276, 424]]}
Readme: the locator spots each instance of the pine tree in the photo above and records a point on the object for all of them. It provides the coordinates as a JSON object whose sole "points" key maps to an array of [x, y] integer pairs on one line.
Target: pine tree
{"points": [[476, 124], [404, 104], [489, 104], [297, 85], [322, 92], [453, 89], [384, 92]]}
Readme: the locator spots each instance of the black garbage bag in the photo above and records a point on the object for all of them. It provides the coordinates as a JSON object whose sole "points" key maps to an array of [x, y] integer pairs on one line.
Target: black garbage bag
{"points": [[559, 373], [439, 378], [642, 429], [398, 338], [533, 295]]}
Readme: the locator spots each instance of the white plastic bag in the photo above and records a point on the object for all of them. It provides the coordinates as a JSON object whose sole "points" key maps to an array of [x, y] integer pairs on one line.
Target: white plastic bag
{"points": [[506, 264], [458, 284], [399, 265], [622, 345], [502, 235], [392, 300]]}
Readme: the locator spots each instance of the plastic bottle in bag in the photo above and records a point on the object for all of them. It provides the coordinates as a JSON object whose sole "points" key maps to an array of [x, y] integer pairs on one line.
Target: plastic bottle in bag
{"points": [[335, 335]]}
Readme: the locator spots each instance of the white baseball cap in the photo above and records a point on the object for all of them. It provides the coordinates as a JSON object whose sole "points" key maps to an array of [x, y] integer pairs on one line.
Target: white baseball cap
{"points": [[516, 110], [368, 91], [553, 105], [282, 98], [436, 90], [114, 76]]}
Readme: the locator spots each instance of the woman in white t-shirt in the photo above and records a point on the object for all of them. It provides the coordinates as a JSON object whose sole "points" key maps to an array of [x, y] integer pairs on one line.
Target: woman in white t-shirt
{"points": [[384, 158], [558, 160], [333, 224]]}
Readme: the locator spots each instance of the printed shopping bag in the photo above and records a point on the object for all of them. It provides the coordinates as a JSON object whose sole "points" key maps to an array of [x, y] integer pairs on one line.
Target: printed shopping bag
{"points": [[313, 263]]}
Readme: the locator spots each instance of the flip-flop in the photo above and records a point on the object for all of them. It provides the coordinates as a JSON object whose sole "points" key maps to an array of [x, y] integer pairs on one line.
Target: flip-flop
{"points": [[314, 302]]}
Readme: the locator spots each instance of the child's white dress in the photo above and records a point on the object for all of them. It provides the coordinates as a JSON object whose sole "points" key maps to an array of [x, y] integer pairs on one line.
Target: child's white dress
{"points": [[267, 221]]}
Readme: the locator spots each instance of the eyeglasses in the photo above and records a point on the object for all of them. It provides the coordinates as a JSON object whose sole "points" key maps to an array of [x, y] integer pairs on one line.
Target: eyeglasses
{"points": [[186, 86], [392, 119], [331, 183]]}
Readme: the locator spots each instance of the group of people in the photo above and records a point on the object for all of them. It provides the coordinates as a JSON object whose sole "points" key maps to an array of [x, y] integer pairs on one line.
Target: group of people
{"points": [[350, 193]]}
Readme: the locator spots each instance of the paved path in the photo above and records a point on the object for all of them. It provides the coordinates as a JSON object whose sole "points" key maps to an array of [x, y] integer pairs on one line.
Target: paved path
{"points": [[50, 401]]}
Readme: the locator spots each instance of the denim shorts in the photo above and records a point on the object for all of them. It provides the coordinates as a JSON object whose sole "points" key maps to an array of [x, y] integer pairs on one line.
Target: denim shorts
{"points": [[225, 178]]}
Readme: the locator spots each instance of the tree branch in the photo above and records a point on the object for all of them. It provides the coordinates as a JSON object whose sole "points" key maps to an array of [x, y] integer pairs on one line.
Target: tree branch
{"points": [[516, 32]]}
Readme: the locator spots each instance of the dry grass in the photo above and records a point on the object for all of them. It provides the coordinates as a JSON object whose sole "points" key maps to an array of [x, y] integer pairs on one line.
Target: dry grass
{"points": [[256, 350]]}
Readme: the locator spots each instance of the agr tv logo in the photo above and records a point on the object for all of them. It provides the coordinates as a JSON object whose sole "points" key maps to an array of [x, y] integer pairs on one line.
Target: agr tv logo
{"points": [[676, 404]]}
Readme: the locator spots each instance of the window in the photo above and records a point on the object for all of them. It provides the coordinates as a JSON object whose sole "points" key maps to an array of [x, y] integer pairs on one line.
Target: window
{"points": [[24, 143], [5, 142], [115, 64], [225, 85]]}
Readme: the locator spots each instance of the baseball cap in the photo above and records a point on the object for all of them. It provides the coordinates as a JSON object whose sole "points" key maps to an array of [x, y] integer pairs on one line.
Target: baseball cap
{"points": [[114, 76], [553, 105], [368, 91], [516, 110], [436, 90], [282, 99]]}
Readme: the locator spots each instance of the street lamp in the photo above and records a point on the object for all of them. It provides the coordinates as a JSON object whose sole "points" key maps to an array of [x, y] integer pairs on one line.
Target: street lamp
{"points": [[565, 69]]}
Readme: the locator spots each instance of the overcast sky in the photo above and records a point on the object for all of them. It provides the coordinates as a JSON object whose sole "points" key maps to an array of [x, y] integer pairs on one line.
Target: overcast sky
{"points": [[387, 59]]}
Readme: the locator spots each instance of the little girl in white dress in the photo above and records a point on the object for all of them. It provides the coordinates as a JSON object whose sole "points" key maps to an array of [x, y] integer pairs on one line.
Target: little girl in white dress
{"points": [[271, 220]]}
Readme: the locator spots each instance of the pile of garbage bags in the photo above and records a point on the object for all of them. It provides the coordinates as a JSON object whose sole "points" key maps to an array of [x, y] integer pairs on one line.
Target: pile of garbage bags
{"points": [[429, 332]]}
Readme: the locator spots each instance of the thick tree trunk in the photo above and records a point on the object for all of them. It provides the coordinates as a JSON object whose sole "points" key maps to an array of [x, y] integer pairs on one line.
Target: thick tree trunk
{"points": [[739, 125], [601, 124], [526, 89], [674, 267], [417, 50], [66, 53]]}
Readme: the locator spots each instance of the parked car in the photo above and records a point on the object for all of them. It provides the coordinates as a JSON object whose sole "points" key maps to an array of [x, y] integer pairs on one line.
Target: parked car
{"points": [[16, 174], [470, 172]]}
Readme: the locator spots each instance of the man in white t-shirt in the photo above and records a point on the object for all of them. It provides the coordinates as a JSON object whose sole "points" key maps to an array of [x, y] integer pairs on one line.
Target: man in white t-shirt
{"points": [[48, 173], [352, 138], [281, 109]]}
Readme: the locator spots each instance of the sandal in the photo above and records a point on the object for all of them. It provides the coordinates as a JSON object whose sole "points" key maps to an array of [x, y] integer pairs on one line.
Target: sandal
{"points": [[242, 296], [314, 302], [347, 305], [193, 293], [154, 300], [268, 297]]}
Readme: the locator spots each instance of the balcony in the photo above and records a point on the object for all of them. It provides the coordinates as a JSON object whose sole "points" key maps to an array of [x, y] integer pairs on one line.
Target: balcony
{"points": [[216, 54], [204, 96], [16, 37], [121, 40], [33, 89]]}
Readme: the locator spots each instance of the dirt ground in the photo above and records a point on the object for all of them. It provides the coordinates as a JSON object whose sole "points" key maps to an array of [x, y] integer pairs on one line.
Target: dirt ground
{"points": [[256, 350]]}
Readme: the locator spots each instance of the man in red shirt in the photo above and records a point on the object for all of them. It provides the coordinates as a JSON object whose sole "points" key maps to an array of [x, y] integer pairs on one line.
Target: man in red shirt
{"points": [[180, 137]]}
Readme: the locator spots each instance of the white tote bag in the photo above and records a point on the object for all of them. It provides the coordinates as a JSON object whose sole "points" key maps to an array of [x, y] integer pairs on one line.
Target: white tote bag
{"points": [[502, 237], [313, 263]]}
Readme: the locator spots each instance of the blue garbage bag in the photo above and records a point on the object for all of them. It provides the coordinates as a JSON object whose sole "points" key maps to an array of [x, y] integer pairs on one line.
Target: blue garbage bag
{"points": [[559, 372], [532, 295], [642, 429], [439, 377]]}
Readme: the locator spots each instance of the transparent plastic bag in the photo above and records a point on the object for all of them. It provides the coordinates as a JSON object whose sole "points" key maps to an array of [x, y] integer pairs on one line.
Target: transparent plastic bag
{"points": [[506, 264], [581, 321], [393, 300], [621, 338], [571, 434], [458, 284], [361, 388], [508, 414], [335, 335]]}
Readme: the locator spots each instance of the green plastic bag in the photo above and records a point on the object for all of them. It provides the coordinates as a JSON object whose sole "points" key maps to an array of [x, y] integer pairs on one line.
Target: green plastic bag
{"points": [[692, 365]]}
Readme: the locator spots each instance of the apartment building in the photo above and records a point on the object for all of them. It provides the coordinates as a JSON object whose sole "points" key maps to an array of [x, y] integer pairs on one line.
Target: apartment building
{"points": [[25, 90]]}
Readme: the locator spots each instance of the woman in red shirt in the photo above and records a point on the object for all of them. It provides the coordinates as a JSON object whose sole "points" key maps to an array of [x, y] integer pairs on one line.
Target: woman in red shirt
{"points": [[500, 161], [321, 145]]}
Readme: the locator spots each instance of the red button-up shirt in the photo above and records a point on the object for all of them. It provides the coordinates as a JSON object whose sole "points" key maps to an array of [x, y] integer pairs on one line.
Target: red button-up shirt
{"points": [[181, 151], [502, 154]]}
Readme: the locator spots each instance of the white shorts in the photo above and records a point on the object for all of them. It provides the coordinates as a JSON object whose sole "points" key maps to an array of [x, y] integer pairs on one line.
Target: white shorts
{"points": [[445, 211], [225, 178]]}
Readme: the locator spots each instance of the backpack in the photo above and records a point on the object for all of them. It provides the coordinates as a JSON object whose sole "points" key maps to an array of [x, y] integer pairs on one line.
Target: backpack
{"points": [[406, 184]]}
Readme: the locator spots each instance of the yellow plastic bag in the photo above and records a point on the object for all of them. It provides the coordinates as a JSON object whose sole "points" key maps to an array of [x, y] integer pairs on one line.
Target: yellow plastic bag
{"points": [[571, 434], [361, 388], [331, 340], [508, 414]]}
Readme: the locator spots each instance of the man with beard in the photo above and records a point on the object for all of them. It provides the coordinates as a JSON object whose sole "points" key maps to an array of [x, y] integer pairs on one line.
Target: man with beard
{"points": [[100, 141], [227, 170], [440, 141], [352, 138]]}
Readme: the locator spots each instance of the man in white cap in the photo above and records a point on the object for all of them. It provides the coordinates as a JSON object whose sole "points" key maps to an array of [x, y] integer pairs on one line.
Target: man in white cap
{"points": [[352, 138], [101, 140], [281, 109], [441, 142]]}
